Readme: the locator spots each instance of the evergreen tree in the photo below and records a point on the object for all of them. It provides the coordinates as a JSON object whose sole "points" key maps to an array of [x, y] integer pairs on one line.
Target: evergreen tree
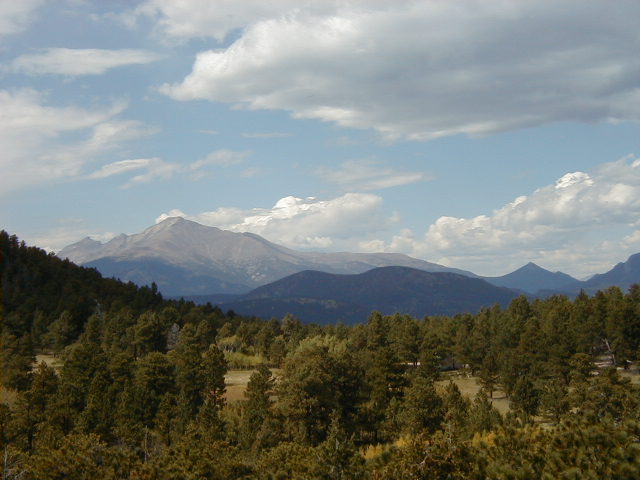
{"points": [[16, 358], [214, 368], [337, 457], [483, 417], [422, 409], [190, 380], [256, 408], [525, 397]]}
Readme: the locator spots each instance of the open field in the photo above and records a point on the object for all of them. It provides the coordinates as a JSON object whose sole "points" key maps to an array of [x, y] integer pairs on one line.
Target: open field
{"points": [[470, 386], [49, 359], [237, 381], [7, 397]]}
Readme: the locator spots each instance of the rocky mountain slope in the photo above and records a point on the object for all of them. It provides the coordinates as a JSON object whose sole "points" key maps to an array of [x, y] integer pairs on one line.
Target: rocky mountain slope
{"points": [[185, 258]]}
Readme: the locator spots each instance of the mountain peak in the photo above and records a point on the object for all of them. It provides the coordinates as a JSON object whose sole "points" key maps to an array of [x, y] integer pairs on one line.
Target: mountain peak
{"points": [[88, 241], [532, 278], [531, 266], [172, 221], [186, 258]]}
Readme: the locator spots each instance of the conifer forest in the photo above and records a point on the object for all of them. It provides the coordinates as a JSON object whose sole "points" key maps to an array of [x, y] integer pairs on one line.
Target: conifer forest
{"points": [[106, 380]]}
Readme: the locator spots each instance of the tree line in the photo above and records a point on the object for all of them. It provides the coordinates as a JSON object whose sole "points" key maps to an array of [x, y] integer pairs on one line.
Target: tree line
{"points": [[137, 389]]}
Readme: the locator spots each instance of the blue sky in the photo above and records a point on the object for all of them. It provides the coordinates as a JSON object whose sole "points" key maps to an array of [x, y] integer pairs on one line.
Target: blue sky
{"points": [[477, 134]]}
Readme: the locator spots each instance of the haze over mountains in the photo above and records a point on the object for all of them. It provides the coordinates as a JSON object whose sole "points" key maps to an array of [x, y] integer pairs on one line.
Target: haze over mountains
{"points": [[327, 298], [185, 258], [249, 274]]}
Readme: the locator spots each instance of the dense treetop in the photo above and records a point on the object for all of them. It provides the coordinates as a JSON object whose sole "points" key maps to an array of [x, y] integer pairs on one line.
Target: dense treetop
{"points": [[138, 388]]}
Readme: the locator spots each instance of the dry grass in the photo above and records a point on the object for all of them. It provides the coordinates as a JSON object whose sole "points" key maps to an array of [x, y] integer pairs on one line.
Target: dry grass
{"points": [[8, 397], [470, 386], [633, 374], [49, 359], [237, 380]]}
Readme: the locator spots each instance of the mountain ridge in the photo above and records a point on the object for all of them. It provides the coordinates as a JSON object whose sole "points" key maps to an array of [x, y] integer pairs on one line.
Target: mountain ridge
{"points": [[208, 258], [185, 258], [326, 298]]}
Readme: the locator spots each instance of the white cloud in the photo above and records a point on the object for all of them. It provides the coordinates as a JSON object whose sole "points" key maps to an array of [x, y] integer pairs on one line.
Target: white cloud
{"points": [[88, 61], [15, 15], [116, 168], [64, 231], [365, 175], [157, 168], [420, 71], [188, 19], [223, 158], [572, 225], [304, 222], [33, 138]]}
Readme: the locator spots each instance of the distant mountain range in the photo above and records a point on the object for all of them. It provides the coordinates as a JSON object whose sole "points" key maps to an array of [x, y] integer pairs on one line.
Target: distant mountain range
{"points": [[324, 297], [185, 258], [248, 274]]}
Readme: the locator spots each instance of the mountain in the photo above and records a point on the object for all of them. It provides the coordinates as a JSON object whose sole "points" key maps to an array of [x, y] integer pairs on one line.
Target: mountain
{"points": [[531, 279], [623, 275], [185, 258], [327, 298]]}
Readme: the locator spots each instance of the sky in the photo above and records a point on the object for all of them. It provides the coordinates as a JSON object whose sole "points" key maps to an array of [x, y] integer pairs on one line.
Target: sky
{"points": [[478, 134]]}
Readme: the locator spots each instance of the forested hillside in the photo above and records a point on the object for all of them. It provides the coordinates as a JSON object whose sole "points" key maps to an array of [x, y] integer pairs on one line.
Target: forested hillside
{"points": [[138, 390]]}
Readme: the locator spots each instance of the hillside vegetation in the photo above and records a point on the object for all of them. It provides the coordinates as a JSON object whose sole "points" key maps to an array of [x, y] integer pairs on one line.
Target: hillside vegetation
{"points": [[138, 391]]}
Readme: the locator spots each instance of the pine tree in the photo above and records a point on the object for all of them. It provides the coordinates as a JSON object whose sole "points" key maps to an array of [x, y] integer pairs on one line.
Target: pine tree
{"points": [[214, 368], [257, 406], [189, 371], [337, 458], [422, 409], [483, 417]]}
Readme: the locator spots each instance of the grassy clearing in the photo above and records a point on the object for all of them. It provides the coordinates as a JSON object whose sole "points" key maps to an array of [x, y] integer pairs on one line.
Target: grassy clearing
{"points": [[49, 359], [237, 380], [470, 386], [632, 373], [8, 397]]}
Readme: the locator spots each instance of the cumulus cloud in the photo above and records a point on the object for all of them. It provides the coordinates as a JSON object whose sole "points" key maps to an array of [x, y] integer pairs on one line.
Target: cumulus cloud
{"points": [[15, 16], [32, 138], [72, 62], [303, 222], [565, 224], [427, 70], [366, 174]]}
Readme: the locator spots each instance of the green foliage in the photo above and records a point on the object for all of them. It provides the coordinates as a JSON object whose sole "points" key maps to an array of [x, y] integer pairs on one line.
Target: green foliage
{"points": [[422, 409], [320, 378], [257, 407], [140, 389], [80, 457], [15, 358]]}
